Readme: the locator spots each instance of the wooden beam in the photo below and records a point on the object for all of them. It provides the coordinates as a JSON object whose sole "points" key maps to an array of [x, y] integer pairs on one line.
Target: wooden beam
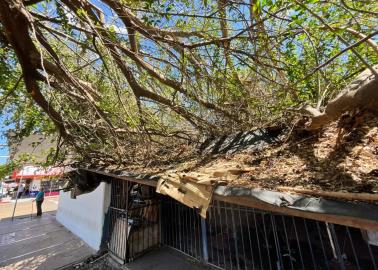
{"points": [[151, 183]]}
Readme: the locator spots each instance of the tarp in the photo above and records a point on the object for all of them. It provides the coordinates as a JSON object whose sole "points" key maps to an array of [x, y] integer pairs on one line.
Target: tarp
{"points": [[360, 210], [33, 172]]}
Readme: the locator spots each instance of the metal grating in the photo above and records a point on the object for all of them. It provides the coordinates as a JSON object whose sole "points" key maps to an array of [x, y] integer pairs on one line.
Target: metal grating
{"points": [[235, 237], [181, 228], [133, 218], [232, 237]]}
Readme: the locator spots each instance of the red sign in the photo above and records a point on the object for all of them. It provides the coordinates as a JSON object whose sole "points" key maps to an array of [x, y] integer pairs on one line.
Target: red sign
{"points": [[32, 172]]}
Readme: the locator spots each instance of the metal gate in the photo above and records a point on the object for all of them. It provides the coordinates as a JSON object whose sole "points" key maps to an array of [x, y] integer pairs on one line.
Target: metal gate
{"points": [[236, 237], [133, 220]]}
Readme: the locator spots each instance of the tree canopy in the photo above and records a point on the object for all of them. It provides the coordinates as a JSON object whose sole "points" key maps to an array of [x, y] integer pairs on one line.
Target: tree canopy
{"points": [[127, 81]]}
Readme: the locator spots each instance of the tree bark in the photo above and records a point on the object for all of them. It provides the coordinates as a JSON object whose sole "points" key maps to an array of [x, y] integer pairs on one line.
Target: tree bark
{"points": [[17, 23], [361, 93]]}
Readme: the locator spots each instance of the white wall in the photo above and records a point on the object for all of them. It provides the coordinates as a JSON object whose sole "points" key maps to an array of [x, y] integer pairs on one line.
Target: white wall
{"points": [[85, 215]]}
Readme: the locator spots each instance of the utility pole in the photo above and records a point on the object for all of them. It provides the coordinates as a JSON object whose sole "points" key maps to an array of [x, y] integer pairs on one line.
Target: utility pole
{"points": [[18, 191]]}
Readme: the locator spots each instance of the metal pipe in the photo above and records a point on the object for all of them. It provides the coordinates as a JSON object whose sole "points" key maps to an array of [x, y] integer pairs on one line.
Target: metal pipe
{"points": [[205, 252], [333, 238], [18, 191]]}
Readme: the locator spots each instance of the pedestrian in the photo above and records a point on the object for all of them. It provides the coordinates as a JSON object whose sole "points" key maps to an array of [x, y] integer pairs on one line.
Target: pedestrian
{"points": [[39, 200], [20, 191], [27, 190]]}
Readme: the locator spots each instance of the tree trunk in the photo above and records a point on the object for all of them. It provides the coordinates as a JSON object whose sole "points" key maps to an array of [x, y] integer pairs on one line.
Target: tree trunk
{"points": [[361, 93]]}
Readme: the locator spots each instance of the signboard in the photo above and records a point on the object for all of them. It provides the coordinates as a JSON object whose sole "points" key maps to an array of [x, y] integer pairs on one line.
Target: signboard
{"points": [[32, 172]]}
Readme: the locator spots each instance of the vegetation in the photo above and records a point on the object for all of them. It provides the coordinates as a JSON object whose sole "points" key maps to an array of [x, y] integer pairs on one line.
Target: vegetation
{"points": [[129, 81]]}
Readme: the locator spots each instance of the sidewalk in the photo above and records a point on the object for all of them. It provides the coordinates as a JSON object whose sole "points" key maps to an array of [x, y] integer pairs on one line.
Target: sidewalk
{"points": [[38, 243]]}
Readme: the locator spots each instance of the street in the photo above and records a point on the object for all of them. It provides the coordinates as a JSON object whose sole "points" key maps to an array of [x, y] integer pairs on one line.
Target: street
{"points": [[24, 207]]}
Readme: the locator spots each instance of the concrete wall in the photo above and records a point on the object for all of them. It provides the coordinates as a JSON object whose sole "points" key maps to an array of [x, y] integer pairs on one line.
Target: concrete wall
{"points": [[85, 215]]}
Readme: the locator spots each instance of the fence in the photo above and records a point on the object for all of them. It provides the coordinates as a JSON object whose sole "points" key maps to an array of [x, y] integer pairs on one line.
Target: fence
{"points": [[236, 237], [181, 228], [232, 236]]}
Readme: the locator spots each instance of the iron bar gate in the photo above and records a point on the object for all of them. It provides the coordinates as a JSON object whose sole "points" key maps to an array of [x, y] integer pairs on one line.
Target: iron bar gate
{"points": [[133, 219], [236, 237]]}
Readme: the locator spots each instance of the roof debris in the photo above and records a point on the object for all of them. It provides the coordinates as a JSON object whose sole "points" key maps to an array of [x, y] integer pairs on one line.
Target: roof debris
{"points": [[339, 158], [317, 162]]}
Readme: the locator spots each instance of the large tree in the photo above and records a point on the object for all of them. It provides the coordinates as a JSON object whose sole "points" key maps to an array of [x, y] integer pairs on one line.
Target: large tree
{"points": [[118, 77]]}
